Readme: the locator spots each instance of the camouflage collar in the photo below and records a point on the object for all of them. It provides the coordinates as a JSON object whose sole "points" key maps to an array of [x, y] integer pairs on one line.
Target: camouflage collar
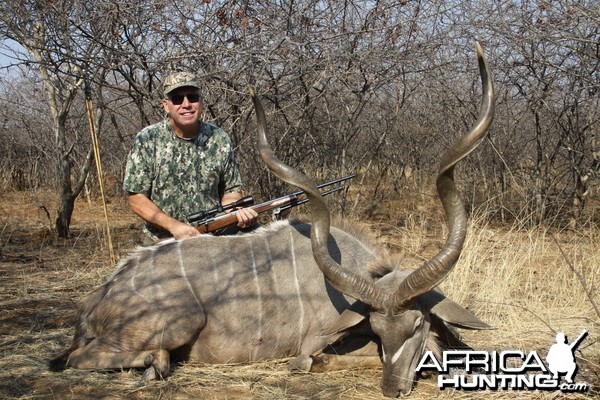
{"points": [[199, 140]]}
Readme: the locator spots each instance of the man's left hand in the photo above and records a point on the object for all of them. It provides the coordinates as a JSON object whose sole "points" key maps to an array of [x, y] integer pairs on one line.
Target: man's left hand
{"points": [[246, 217]]}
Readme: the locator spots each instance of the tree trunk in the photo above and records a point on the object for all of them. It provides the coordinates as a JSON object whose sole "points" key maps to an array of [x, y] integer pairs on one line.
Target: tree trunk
{"points": [[67, 192], [63, 173], [65, 211]]}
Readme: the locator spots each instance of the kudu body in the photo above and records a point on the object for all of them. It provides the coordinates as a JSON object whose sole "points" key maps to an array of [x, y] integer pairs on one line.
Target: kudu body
{"points": [[287, 289]]}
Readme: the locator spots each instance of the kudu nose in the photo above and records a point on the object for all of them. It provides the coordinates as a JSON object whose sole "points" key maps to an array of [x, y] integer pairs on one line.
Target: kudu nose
{"points": [[393, 391]]}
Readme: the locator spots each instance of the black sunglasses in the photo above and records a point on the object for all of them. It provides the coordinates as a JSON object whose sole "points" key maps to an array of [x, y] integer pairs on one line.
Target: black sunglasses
{"points": [[177, 99]]}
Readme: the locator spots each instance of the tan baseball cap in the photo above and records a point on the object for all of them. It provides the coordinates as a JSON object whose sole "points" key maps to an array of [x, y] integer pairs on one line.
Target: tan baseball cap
{"points": [[180, 79]]}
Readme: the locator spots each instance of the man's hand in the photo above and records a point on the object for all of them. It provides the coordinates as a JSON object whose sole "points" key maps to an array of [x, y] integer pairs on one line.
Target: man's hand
{"points": [[246, 217], [183, 231], [149, 212]]}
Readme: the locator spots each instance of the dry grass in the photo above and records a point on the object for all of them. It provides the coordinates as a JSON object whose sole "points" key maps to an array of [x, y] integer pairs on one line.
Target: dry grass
{"points": [[518, 281]]}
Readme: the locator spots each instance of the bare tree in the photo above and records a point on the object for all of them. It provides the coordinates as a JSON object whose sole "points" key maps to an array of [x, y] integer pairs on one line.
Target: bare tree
{"points": [[554, 68], [42, 30]]}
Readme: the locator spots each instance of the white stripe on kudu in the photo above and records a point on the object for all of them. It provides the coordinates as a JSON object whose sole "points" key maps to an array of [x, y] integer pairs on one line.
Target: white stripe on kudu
{"points": [[297, 286], [184, 274], [259, 299]]}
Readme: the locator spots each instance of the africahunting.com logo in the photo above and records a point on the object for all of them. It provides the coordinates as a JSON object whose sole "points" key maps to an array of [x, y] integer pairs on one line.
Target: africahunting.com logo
{"points": [[508, 370]]}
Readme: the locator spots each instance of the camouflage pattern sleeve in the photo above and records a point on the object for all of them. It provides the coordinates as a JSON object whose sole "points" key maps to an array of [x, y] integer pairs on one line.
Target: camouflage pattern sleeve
{"points": [[139, 170]]}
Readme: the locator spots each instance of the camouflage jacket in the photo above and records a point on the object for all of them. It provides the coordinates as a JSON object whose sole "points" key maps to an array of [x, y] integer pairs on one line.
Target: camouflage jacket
{"points": [[181, 176]]}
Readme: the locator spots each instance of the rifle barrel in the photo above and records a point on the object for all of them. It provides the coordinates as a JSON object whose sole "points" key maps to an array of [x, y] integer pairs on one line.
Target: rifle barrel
{"points": [[333, 182], [305, 200]]}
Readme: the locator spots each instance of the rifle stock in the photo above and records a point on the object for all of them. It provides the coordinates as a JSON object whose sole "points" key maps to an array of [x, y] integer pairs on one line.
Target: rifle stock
{"points": [[222, 221]]}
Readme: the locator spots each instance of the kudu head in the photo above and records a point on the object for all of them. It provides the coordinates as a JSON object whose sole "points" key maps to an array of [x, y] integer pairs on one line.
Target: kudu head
{"points": [[401, 302]]}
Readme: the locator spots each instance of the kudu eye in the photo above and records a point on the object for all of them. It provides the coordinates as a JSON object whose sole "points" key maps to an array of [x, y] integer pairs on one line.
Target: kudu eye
{"points": [[418, 323]]}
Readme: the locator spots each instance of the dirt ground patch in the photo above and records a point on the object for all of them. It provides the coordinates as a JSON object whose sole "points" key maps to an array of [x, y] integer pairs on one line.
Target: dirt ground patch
{"points": [[43, 278]]}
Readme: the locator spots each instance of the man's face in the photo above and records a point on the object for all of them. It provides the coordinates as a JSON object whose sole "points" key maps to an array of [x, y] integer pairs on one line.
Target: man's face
{"points": [[183, 105]]}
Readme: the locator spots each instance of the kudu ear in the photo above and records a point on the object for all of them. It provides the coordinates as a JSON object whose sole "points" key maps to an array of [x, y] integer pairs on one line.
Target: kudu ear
{"points": [[351, 317], [450, 312]]}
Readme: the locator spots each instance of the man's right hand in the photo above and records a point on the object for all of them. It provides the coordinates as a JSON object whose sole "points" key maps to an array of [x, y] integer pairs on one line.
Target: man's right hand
{"points": [[183, 231], [149, 212]]}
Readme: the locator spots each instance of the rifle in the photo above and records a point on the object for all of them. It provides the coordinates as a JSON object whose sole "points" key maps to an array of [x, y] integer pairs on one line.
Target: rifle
{"points": [[578, 340], [209, 221]]}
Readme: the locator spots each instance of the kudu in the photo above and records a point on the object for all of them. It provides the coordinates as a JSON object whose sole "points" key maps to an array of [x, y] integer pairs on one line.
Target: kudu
{"points": [[267, 295]]}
